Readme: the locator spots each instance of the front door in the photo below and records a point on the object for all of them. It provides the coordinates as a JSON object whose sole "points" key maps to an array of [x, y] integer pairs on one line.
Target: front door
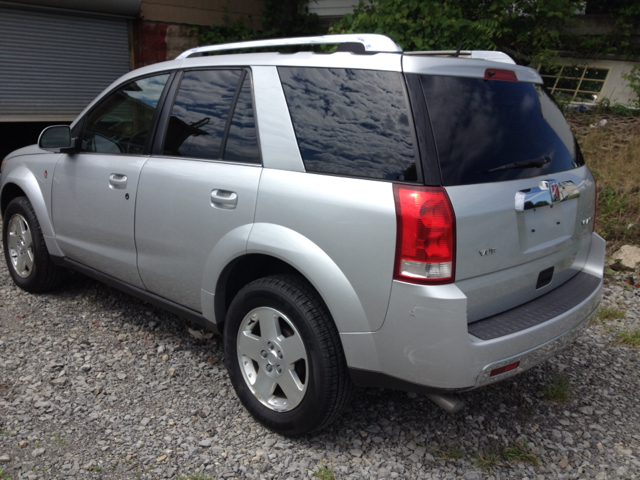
{"points": [[94, 191]]}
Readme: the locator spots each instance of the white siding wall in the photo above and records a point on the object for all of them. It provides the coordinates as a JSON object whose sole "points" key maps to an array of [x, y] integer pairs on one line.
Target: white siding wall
{"points": [[332, 8]]}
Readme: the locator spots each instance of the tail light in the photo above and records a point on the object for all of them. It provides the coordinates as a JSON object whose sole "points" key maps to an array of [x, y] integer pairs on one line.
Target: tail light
{"points": [[425, 245]]}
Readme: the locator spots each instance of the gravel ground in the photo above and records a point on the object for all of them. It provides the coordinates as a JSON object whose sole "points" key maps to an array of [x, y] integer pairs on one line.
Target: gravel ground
{"points": [[96, 384]]}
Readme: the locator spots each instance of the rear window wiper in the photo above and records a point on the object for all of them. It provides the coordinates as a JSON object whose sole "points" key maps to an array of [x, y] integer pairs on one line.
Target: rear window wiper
{"points": [[537, 163]]}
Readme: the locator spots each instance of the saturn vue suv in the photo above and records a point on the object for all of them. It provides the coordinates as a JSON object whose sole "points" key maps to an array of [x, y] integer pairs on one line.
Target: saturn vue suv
{"points": [[420, 221]]}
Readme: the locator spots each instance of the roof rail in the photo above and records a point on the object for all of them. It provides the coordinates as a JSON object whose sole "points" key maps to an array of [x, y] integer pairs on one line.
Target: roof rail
{"points": [[491, 55], [370, 43]]}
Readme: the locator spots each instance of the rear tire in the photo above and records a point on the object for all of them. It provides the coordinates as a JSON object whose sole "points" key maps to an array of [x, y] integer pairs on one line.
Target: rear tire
{"points": [[284, 356], [25, 251]]}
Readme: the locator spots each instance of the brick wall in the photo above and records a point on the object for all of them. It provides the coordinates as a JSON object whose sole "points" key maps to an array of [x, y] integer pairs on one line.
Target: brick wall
{"points": [[157, 41]]}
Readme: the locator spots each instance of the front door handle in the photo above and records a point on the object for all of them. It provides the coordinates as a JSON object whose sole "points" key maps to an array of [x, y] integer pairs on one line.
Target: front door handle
{"points": [[117, 181], [224, 199]]}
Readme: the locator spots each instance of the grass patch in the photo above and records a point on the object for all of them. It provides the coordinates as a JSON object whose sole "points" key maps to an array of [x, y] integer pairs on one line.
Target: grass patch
{"points": [[558, 390], [613, 154], [323, 472], [453, 453], [493, 456], [4, 476], [628, 338], [488, 460], [197, 476], [610, 314], [520, 453]]}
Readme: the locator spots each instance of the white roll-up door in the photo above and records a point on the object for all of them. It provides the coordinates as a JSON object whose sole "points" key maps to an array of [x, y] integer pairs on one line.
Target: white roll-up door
{"points": [[53, 64]]}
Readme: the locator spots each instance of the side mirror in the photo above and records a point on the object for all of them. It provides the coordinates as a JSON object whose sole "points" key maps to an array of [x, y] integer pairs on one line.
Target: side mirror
{"points": [[57, 139]]}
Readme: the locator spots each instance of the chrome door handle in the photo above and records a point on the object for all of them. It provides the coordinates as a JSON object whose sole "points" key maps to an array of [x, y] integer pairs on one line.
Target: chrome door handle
{"points": [[224, 199], [117, 181]]}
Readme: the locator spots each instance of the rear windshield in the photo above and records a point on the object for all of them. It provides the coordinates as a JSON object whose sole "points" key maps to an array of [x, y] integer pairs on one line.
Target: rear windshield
{"points": [[493, 130]]}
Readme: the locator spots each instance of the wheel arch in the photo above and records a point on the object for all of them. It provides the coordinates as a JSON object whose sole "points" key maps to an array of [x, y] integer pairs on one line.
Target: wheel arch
{"points": [[273, 249], [9, 192], [21, 182]]}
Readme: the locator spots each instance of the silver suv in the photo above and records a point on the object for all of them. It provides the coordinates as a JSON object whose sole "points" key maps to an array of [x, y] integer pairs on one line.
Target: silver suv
{"points": [[420, 221]]}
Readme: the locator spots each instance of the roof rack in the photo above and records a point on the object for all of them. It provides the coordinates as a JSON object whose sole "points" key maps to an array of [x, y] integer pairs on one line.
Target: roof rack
{"points": [[491, 55], [365, 43]]}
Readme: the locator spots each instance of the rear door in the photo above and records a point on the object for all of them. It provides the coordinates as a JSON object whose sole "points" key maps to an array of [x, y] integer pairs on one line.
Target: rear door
{"points": [[522, 197], [200, 184]]}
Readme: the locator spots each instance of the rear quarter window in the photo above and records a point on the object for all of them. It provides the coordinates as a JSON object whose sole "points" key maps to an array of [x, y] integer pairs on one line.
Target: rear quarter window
{"points": [[351, 122], [482, 127]]}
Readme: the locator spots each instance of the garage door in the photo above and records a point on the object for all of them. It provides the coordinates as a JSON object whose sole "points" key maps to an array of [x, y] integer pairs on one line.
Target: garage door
{"points": [[53, 64]]}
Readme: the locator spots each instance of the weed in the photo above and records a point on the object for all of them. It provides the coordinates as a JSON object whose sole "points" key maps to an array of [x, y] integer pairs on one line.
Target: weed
{"points": [[4, 476], [95, 469], [38, 444], [488, 460], [609, 313], [520, 453], [451, 454], [493, 456], [323, 472], [628, 338], [56, 439], [558, 390], [634, 82]]}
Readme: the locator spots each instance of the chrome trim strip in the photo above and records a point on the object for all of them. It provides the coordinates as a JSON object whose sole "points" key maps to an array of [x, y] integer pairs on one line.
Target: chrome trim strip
{"points": [[370, 42], [547, 193]]}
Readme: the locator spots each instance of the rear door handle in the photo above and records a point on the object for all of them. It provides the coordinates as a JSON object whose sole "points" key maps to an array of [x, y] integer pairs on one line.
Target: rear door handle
{"points": [[117, 181], [224, 199]]}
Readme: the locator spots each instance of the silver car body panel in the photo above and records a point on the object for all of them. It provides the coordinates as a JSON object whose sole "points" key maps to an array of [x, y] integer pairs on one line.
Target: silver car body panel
{"points": [[425, 341], [93, 210], [451, 66], [275, 133], [174, 248], [340, 233], [31, 169], [528, 242]]}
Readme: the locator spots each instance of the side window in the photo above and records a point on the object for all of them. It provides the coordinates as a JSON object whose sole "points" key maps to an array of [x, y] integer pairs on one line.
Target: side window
{"points": [[202, 124], [120, 122], [351, 122]]}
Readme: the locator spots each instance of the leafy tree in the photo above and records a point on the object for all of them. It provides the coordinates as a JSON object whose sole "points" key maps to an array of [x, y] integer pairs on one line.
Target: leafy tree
{"points": [[530, 30], [280, 18]]}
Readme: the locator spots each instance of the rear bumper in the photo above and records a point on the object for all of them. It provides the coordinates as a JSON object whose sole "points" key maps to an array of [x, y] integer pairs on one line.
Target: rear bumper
{"points": [[425, 343]]}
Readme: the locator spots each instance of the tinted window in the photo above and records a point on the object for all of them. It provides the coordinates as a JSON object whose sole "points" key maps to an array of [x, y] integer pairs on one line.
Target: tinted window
{"points": [[200, 112], [120, 122], [480, 126], [242, 142], [351, 122]]}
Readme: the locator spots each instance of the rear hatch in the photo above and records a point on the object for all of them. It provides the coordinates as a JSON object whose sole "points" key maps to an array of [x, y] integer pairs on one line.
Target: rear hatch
{"points": [[522, 196]]}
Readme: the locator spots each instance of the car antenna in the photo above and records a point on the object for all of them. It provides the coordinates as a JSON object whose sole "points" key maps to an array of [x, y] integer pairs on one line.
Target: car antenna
{"points": [[457, 54]]}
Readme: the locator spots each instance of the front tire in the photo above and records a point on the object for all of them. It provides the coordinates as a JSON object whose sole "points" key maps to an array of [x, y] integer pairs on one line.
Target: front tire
{"points": [[284, 356], [25, 250]]}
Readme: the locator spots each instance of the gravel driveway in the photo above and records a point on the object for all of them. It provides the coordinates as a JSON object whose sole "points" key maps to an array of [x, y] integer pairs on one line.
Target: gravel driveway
{"points": [[96, 384]]}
